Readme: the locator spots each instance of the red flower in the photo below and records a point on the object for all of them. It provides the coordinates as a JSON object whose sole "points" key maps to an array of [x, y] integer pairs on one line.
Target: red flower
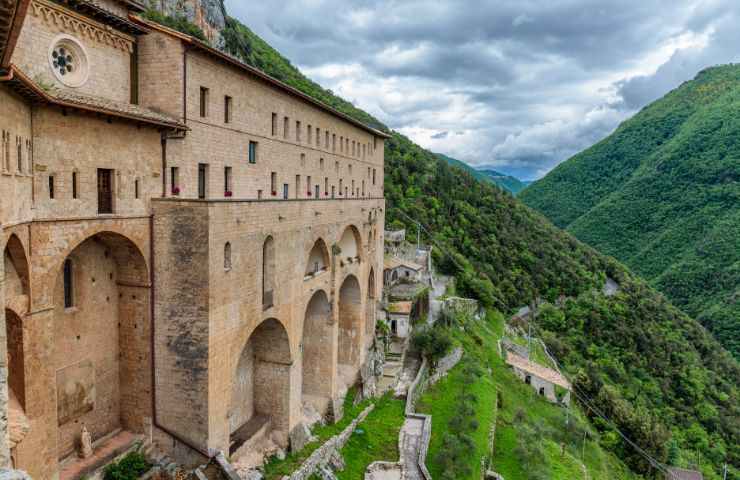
{"points": [[326, 194], [309, 193], [274, 193], [228, 194], [176, 191]]}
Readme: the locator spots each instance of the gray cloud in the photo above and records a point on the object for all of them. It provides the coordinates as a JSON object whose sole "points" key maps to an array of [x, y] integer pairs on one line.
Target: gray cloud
{"points": [[523, 85]]}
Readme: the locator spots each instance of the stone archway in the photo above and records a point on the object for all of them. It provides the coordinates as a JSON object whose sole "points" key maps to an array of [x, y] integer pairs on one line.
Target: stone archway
{"points": [[18, 425], [370, 307], [101, 349], [317, 348], [350, 329], [318, 258], [16, 270], [350, 244], [260, 395]]}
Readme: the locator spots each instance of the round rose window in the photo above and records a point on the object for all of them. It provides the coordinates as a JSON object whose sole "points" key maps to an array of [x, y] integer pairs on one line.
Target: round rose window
{"points": [[68, 61]]}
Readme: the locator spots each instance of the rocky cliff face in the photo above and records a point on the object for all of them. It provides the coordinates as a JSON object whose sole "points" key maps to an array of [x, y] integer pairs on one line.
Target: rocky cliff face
{"points": [[209, 15]]}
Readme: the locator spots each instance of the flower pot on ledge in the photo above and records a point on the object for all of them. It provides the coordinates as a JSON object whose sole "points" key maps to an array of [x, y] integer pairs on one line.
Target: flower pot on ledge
{"points": [[175, 191], [228, 194]]}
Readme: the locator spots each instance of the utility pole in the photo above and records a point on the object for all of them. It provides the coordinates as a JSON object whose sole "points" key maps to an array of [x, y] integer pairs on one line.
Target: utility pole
{"points": [[724, 475]]}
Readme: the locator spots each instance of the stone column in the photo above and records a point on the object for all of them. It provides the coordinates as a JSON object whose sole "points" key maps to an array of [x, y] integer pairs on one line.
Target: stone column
{"points": [[4, 450]]}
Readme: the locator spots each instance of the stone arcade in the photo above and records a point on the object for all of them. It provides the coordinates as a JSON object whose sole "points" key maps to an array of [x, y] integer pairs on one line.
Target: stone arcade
{"points": [[192, 249]]}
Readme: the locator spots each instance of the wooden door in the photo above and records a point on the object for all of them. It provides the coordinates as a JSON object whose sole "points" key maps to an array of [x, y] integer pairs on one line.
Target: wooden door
{"points": [[105, 190]]}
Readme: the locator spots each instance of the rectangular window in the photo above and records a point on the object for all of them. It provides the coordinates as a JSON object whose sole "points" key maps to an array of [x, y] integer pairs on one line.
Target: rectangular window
{"points": [[297, 186], [19, 148], [341, 144], [274, 124], [105, 191], [286, 127], [136, 189], [363, 188], [353, 187], [353, 148], [308, 185], [297, 131], [333, 142], [202, 180], [252, 152], [51, 186], [227, 109], [317, 191], [333, 191], [303, 159], [341, 183], [368, 172], [227, 181], [308, 134], [336, 166], [373, 176], [273, 183], [259, 194], [375, 143], [203, 102], [321, 163], [68, 285], [326, 141], [318, 137], [363, 150], [285, 191], [74, 184], [326, 185], [175, 180]]}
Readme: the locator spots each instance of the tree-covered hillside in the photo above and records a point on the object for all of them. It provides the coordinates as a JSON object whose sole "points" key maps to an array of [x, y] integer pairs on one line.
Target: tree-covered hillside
{"points": [[662, 194], [663, 380], [507, 182]]}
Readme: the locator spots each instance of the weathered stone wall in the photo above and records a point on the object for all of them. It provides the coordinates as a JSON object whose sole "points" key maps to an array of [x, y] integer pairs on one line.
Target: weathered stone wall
{"points": [[15, 183], [109, 61]]}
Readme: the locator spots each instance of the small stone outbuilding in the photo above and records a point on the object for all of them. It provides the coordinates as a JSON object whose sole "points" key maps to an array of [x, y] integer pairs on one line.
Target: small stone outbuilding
{"points": [[399, 318], [545, 381]]}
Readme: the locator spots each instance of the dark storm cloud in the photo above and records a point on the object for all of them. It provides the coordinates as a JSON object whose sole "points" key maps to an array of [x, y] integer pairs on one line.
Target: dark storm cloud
{"points": [[523, 83]]}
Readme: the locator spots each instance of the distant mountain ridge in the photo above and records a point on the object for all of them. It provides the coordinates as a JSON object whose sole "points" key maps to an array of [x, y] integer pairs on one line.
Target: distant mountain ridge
{"points": [[662, 194], [507, 182]]}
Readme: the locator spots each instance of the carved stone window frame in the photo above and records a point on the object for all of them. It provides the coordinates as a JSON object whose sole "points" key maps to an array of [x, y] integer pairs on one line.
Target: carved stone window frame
{"points": [[81, 73]]}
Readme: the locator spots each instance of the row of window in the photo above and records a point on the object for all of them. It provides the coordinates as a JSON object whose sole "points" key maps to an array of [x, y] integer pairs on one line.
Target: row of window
{"points": [[346, 145], [105, 188], [21, 145]]}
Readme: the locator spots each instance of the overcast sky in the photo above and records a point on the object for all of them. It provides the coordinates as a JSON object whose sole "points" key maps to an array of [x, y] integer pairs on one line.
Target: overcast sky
{"points": [[520, 85]]}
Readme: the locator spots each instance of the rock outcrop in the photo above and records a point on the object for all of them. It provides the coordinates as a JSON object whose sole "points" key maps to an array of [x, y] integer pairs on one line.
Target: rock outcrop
{"points": [[209, 15]]}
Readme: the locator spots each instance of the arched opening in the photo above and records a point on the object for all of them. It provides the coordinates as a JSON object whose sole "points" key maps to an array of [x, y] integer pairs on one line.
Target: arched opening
{"points": [[370, 308], [350, 244], [268, 273], [260, 395], [18, 425], [318, 258], [101, 347], [16, 269], [227, 256], [317, 345], [350, 329]]}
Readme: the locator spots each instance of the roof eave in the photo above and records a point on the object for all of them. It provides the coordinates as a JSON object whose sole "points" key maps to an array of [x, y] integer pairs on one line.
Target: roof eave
{"points": [[15, 29]]}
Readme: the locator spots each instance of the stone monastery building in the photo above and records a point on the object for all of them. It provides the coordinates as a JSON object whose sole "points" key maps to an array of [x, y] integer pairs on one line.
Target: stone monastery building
{"points": [[192, 249]]}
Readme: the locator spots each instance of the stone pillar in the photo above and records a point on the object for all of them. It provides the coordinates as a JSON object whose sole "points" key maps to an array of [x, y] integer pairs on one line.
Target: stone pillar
{"points": [[4, 450]]}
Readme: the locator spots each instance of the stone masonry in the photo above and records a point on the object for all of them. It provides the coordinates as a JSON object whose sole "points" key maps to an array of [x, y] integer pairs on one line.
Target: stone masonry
{"points": [[191, 249]]}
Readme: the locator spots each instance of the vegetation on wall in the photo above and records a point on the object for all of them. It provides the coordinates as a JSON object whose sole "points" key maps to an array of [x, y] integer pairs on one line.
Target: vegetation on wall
{"points": [[662, 195], [664, 380]]}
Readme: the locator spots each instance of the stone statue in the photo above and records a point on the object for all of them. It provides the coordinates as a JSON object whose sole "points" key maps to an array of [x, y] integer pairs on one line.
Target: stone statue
{"points": [[86, 449]]}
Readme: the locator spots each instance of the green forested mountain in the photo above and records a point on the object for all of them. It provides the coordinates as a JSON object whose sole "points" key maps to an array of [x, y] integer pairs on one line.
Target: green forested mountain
{"points": [[507, 182], [662, 194], [662, 379]]}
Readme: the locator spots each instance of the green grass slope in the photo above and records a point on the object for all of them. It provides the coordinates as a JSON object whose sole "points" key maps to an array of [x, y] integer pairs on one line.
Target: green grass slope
{"points": [[662, 195], [665, 380]]}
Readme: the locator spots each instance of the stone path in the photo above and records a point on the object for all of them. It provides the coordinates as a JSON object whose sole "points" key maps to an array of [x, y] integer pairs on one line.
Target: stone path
{"points": [[411, 438]]}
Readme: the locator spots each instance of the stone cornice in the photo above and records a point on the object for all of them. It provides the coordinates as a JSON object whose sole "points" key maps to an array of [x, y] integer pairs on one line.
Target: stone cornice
{"points": [[81, 26]]}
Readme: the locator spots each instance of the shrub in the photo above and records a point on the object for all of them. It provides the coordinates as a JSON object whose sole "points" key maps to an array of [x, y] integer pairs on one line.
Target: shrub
{"points": [[130, 467]]}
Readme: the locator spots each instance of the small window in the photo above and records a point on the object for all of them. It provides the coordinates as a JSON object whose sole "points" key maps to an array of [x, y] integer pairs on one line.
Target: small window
{"points": [[333, 142], [297, 186], [286, 127], [227, 109], [203, 102], [303, 159], [336, 166], [298, 131], [326, 185], [136, 189], [326, 141], [363, 150], [227, 181], [542, 391], [273, 183], [308, 134], [373, 176], [227, 256], [368, 172], [51, 186], [69, 301], [375, 143], [308, 185], [19, 149], [318, 137], [333, 191], [259, 194], [202, 181], [175, 180], [252, 152], [353, 188], [363, 188], [317, 191], [286, 191], [74, 185], [350, 168], [274, 124], [341, 144], [528, 379], [354, 152], [321, 163]]}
